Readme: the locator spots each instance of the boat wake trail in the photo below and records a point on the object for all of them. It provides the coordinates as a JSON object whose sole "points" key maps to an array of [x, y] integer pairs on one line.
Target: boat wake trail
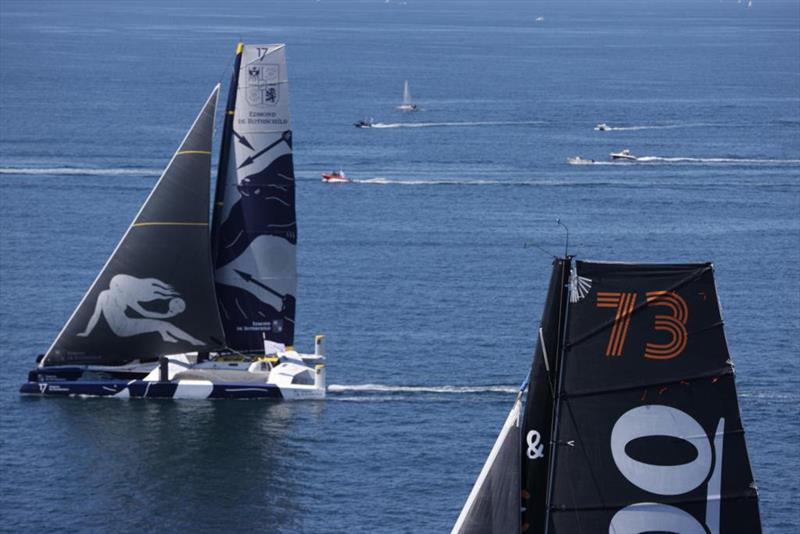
{"points": [[386, 392], [737, 161], [389, 181], [652, 127], [691, 161], [453, 124], [81, 171]]}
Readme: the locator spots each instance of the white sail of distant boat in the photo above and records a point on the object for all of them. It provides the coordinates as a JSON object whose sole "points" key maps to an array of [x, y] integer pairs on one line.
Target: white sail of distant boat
{"points": [[407, 105]]}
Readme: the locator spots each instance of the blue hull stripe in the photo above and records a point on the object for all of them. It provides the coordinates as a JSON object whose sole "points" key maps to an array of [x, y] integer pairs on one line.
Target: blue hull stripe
{"points": [[150, 390]]}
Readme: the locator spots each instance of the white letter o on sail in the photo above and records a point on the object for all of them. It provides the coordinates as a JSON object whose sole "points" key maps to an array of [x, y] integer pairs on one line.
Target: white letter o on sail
{"points": [[651, 516], [656, 420]]}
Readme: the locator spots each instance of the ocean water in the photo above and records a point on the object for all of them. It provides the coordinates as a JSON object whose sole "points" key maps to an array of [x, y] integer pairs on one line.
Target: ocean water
{"points": [[428, 274]]}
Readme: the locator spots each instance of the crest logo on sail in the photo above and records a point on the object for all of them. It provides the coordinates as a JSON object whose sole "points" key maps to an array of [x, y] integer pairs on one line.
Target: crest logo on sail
{"points": [[262, 84], [126, 291]]}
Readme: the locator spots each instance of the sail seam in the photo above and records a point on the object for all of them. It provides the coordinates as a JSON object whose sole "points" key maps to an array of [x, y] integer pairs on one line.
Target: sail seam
{"points": [[184, 152], [714, 374], [136, 225]]}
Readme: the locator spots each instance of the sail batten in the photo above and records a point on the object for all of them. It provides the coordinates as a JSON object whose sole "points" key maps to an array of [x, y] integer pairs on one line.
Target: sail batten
{"points": [[154, 295]]}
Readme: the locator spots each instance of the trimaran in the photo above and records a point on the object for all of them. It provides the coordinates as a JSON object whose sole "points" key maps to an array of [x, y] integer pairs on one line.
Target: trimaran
{"points": [[630, 421], [180, 311]]}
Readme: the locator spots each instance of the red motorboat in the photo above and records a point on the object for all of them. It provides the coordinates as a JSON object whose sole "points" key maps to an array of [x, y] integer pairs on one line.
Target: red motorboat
{"points": [[335, 176]]}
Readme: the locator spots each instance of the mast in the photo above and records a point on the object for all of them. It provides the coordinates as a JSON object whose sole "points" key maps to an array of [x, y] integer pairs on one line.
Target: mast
{"points": [[223, 169], [539, 419], [406, 93], [255, 225], [647, 430], [155, 294]]}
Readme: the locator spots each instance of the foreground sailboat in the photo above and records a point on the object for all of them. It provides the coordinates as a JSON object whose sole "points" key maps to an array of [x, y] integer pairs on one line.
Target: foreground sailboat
{"points": [[181, 312], [631, 422], [407, 105]]}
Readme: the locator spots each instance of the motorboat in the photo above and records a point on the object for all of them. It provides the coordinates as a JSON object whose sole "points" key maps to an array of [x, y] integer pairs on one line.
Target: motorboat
{"points": [[335, 177], [577, 160], [364, 123], [602, 127], [623, 155]]}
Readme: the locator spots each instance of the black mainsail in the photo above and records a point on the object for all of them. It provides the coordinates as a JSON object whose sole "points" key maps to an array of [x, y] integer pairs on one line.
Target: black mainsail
{"points": [[155, 294], [644, 422], [255, 226]]}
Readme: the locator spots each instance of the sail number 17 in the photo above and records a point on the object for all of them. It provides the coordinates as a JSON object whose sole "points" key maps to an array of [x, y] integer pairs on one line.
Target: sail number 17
{"points": [[674, 322]]}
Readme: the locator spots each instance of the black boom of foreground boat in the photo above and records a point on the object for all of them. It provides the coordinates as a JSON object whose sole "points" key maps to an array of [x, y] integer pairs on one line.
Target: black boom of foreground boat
{"points": [[631, 422], [179, 311]]}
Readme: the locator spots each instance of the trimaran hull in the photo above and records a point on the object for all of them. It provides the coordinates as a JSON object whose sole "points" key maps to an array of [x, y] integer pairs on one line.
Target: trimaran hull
{"points": [[182, 389]]}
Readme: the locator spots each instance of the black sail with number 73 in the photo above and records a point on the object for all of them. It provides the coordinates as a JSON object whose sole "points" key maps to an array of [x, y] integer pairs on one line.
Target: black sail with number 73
{"points": [[631, 423], [648, 434]]}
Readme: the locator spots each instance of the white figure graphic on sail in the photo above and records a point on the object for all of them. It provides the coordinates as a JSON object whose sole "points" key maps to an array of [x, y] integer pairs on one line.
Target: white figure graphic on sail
{"points": [[125, 291]]}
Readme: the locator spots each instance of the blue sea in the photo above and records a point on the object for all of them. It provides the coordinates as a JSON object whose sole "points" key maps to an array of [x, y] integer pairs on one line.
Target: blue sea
{"points": [[428, 274]]}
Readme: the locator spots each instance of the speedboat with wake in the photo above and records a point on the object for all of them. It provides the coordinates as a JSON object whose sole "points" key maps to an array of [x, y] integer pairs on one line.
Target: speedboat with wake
{"points": [[364, 123], [333, 177], [407, 105], [623, 155], [602, 127], [188, 309]]}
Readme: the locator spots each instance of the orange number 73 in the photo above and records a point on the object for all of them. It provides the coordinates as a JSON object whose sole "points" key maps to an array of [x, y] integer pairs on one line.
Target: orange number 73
{"points": [[674, 323]]}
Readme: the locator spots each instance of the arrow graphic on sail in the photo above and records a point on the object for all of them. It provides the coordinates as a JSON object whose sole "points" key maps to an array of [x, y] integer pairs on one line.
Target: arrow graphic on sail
{"points": [[286, 136], [243, 140], [249, 278]]}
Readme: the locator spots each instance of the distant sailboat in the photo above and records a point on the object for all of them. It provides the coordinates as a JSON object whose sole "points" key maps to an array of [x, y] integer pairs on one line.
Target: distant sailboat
{"points": [[407, 105], [180, 312], [630, 422]]}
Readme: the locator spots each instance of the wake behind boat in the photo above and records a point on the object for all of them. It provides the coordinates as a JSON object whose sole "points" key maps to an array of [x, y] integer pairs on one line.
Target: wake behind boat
{"points": [[181, 312], [577, 160], [629, 421], [335, 177]]}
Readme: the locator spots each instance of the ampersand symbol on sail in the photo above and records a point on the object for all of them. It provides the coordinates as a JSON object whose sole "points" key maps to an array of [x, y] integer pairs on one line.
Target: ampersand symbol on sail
{"points": [[535, 450]]}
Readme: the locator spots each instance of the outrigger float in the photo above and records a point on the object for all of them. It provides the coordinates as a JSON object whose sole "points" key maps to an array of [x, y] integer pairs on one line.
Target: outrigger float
{"points": [[181, 311]]}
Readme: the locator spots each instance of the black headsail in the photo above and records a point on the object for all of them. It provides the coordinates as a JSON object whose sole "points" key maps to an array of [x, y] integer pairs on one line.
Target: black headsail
{"points": [[155, 295], [255, 227], [648, 435]]}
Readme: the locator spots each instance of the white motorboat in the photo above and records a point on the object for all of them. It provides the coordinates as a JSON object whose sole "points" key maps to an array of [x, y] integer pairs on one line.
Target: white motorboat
{"points": [[602, 127], [623, 155]]}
